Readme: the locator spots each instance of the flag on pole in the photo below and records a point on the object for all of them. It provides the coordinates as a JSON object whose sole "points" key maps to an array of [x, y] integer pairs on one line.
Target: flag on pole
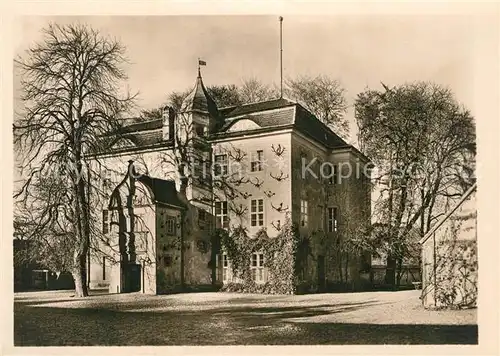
{"points": [[201, 63]]}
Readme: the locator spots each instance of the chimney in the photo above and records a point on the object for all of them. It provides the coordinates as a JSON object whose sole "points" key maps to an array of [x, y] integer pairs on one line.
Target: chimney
{"points": [[168, 122]]}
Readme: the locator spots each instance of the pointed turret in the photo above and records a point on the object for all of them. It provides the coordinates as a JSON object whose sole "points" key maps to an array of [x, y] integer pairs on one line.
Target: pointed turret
{"points": [[200, 101]]}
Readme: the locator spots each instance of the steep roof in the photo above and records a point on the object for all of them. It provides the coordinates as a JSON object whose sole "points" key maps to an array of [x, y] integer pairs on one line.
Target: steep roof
{"points": [[268, 115], [307, 123], [233, 111], [199, 100], [164, 191], [281, 112], [154, 124]]}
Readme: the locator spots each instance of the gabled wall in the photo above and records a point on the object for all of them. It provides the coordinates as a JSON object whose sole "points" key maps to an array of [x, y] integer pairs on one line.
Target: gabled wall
{"points": [[449, 259]]}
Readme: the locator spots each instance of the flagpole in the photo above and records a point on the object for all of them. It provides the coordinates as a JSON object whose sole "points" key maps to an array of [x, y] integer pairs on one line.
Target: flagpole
{"points": [[281, 56]]}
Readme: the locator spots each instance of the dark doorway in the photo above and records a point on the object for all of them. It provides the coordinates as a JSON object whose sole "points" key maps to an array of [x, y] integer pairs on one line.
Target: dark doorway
{"points": [[134, 277], [321, 273]]}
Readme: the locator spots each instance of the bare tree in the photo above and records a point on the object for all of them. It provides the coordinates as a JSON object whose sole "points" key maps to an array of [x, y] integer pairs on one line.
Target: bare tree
{"points": [[252, 90], [225, 95], [70, 84], [324, 97], [423, 145]]}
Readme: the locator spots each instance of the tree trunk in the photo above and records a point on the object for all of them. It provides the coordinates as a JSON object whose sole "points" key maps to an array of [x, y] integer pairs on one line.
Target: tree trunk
{"points": [[390, 271], [399, 271], [82, 233], [80, 275]]}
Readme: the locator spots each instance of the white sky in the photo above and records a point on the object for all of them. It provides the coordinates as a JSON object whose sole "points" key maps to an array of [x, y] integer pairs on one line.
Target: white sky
{"points": [[360, 51]]}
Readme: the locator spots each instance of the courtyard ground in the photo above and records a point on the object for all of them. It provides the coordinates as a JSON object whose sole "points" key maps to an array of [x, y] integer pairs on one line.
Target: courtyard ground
{"points": [[56, 318]]}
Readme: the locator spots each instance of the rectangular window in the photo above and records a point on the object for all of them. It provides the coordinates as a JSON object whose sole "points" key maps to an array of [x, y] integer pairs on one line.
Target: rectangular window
{"points": [[202, 218], [333, 219], [256, 164], [335, 177], [105, 221], [170, 225], [225, 268], [220, 165], [303, 212], [221, 218], [257, 212], [257, 267], [331, 173]]}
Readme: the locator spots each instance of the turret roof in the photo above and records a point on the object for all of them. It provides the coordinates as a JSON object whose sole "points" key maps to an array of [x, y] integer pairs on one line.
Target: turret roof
{"points": [[199, 100]]}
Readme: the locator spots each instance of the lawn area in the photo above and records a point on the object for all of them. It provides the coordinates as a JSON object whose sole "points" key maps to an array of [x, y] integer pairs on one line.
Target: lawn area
{"points": [[56, 318]]}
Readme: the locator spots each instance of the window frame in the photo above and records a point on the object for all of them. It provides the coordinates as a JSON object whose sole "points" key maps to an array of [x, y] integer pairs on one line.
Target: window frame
{"points": [[221, 219], [334, 179], [257, 213], [221, 168], [170, 225], [223, 267], [258, 271], [256, 161], [105, 222], [333, 219], [304, 212]]}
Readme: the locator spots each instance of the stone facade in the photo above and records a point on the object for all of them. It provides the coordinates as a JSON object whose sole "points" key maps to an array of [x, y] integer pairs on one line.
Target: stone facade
{"points": [[261, 157]]}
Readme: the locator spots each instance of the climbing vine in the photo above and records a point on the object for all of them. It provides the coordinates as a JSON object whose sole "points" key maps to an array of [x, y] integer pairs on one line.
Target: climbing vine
{"points": [[280, 255], [452, 276]]}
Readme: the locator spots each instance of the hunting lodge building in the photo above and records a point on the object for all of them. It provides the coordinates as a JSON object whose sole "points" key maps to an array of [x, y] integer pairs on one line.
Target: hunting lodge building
{"points": [[269, 142]]}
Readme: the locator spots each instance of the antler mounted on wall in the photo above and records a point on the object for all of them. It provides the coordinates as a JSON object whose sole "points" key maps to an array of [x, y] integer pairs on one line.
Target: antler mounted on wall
{"points": [[237, 181], [279, 177], [256, 182], [236, 154], [278, 150], [280, 208], [269, 194], [276, 225], [231, 194], [239, 209], [245, 195]]}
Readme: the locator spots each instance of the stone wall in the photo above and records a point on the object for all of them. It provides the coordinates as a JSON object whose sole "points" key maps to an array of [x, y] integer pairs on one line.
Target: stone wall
{"points": [[449, 260]]}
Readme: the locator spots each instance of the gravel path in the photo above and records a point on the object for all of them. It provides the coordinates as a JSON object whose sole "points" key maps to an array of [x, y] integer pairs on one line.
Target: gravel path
{"points": [[56, 318]]}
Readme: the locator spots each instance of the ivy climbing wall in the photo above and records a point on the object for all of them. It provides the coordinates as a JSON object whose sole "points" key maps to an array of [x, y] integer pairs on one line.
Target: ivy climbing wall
{"points": [[449, 260]]}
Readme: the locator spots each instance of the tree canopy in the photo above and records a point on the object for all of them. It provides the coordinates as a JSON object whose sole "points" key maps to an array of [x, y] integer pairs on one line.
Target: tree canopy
{"points": [[422, 142], [322, 95]]}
